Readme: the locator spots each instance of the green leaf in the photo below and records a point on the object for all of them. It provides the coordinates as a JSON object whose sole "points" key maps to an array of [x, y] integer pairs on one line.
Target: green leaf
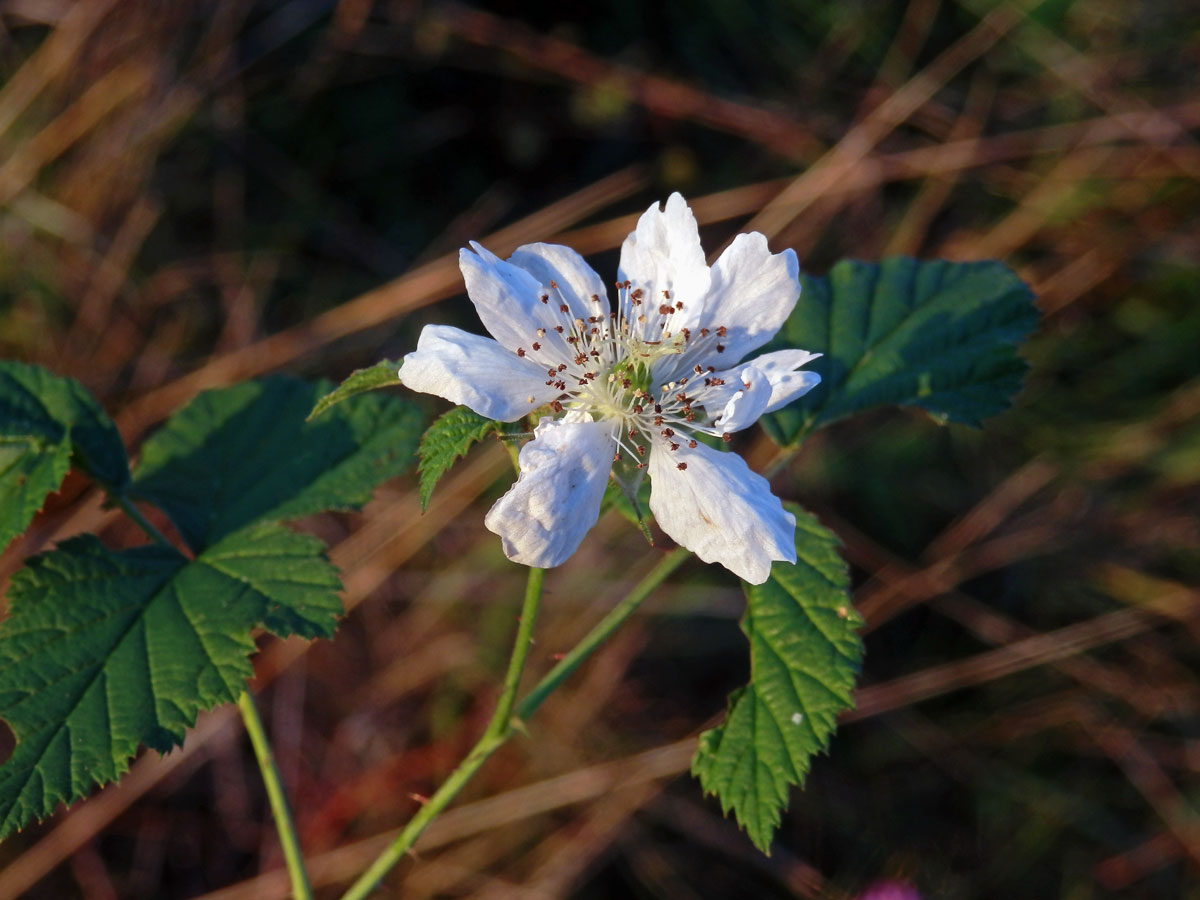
{"points": [[289, 571], [382, 374], [938, 335], [104, 651], [246, 453], [804, 657], [46, 423], [449, 438]]}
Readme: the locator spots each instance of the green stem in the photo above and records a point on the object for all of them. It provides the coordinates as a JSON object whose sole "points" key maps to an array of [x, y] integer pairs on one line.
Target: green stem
{"points": [[497, 732], [145, 524], [599, 634], [499, 725], [292, 856], [503, 723], [262, 748]]}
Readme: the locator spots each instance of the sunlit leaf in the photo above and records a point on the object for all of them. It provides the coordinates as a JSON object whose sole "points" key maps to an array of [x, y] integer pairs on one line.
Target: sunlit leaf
{"points": [[938, 335], [382, 374], [804, 657], [48, 422], [245, 453], [448, 439], [106, 650]]}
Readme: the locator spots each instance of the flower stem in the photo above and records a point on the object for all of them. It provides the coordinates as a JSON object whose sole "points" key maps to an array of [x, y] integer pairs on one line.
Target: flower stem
{"points": [[503, 723], [600, 633], [497, 732], [258, 739], [292, 856]]}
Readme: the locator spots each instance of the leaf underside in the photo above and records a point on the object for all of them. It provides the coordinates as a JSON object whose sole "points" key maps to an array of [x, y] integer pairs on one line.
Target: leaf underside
{"points": [[448, 439], [804, 658], [237, 455], [938, 335], [106, 650], [48, 422], [382, 374]]}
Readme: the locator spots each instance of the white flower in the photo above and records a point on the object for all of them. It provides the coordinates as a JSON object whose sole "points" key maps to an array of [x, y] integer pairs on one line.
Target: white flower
{"points": [[634, 386]]}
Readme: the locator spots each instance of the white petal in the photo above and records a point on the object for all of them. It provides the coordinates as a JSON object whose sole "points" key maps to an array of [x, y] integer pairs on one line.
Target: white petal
{"points": [[508, 300], [753, 292], [477, 372], [780, 367], [577, 282], [663, 254], [556, 501], [748, 402], [720, 510]]}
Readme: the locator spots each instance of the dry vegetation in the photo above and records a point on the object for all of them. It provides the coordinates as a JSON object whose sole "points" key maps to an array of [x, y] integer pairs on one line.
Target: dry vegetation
{"points": [[229, 188]]}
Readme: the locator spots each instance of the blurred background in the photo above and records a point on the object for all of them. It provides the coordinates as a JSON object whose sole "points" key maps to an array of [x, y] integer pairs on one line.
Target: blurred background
{"points": [[195, 193]]}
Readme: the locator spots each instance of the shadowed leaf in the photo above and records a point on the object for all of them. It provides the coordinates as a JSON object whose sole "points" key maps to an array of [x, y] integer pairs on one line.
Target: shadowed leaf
{"points": [[245, 453], [48, 422], [937, 335]]}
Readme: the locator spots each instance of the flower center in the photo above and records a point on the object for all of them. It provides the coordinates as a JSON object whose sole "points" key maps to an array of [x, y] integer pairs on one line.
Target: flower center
{"points": [[632, 368]]}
